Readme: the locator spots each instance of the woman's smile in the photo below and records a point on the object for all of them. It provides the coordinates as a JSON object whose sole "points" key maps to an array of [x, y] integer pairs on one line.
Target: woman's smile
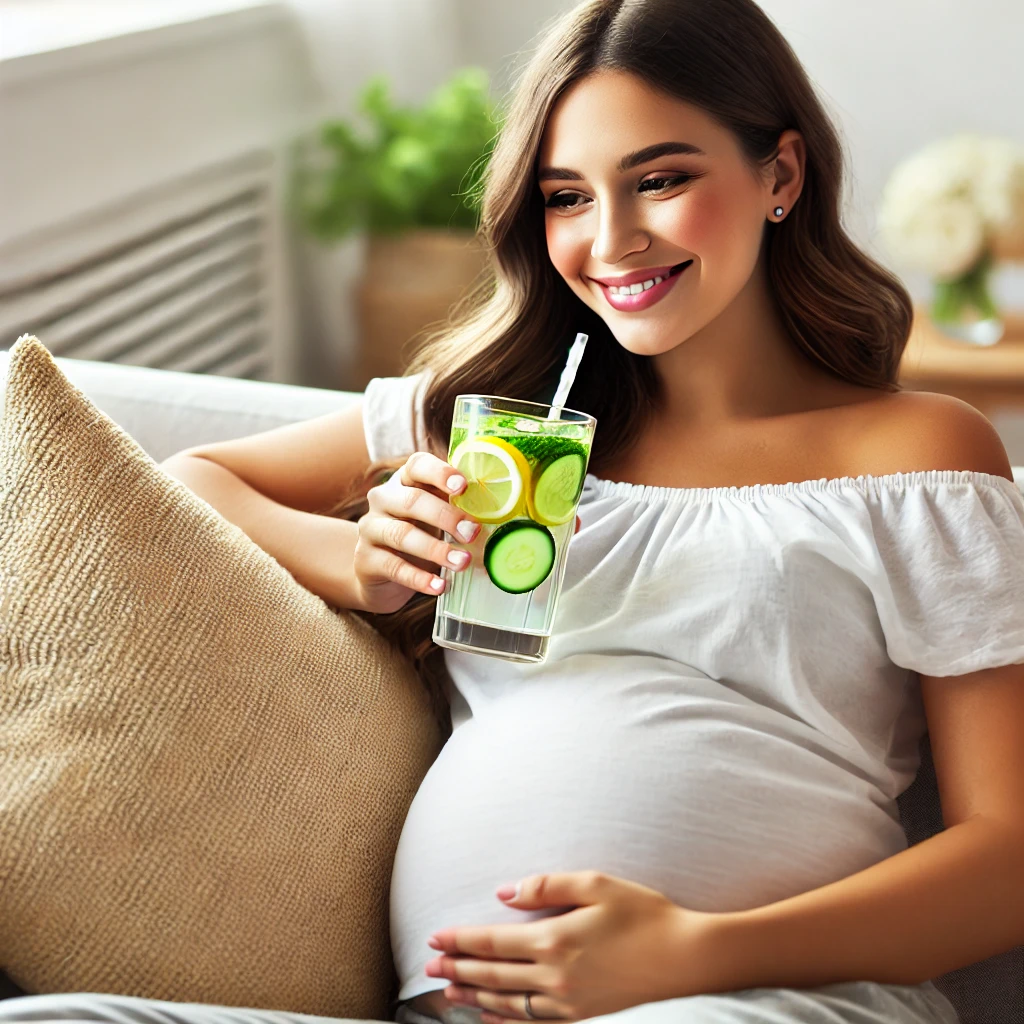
{"points": [[632, 302]]}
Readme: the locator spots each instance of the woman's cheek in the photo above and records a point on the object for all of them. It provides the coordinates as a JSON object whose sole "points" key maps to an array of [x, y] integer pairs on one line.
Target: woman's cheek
{"points": [[717, 228], [563, 249], [693, 225]]}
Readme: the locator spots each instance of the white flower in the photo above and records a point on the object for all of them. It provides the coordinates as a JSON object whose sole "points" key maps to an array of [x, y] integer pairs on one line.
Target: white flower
{"points": [[946, 236], [999, 188], [949, 202], [1001, 196]]}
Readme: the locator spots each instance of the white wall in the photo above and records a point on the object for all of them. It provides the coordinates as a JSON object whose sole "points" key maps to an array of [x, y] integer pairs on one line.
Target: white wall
{"points": [[495, 33], [895, 75], [416, 43]]}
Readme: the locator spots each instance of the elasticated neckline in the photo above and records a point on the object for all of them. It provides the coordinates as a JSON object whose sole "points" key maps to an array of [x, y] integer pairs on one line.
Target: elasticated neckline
{"points": [[865, 483]]}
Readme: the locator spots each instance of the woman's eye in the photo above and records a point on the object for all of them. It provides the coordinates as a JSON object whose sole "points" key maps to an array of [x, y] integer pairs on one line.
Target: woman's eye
{"points": [[567, 200], [661, 183], [558, 200]]}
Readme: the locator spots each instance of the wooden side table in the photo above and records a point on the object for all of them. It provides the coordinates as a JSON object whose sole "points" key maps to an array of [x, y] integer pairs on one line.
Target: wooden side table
{"points": [[989, 378]]}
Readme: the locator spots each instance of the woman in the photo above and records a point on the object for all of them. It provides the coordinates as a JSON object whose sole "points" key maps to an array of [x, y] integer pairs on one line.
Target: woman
{"points": [[787, 570]]}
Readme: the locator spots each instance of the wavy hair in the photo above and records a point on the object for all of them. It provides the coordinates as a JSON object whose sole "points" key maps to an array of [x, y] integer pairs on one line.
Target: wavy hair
{"points": [[509, 335]]}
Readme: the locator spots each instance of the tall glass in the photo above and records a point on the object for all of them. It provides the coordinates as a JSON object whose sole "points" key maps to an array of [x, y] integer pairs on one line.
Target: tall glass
{"points": [[524, 472]]}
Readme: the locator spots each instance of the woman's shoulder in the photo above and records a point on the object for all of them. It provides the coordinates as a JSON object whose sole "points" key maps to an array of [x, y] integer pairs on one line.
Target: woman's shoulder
{"points": [[918, 431]]}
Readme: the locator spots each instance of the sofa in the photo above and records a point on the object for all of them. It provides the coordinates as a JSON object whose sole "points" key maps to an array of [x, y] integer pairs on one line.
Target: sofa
{"points": [[166, 411]]}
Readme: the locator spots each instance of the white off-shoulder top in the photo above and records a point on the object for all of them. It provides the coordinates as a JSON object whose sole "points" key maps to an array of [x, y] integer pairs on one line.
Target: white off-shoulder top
{"points": [[730, 704]]}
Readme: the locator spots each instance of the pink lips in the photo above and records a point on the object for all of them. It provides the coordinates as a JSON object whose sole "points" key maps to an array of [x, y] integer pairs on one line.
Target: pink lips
{"points": [[643, 300]]}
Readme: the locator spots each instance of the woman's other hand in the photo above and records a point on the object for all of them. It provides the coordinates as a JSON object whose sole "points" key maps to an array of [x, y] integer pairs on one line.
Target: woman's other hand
{"points": [[618, 944]]}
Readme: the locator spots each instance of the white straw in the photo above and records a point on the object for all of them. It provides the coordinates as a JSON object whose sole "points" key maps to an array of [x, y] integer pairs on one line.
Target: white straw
{"points": [[572, 364]]}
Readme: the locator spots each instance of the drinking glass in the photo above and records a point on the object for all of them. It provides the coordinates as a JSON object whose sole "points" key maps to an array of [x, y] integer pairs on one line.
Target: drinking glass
{"points": [[524, 464]]}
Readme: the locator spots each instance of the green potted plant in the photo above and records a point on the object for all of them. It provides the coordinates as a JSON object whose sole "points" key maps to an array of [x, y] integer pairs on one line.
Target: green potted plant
{"points": [[411, 184]]}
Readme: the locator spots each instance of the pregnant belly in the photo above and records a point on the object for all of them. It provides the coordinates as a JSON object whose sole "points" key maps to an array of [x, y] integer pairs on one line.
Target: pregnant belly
{"points": [[696, 801]]}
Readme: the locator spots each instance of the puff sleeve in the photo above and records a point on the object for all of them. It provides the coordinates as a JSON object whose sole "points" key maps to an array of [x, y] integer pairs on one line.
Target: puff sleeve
{"points": [[948, 572], [392, 416]]}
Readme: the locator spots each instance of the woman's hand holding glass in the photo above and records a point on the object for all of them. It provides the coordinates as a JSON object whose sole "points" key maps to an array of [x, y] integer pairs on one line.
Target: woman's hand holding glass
{"points": [[401, 536]]}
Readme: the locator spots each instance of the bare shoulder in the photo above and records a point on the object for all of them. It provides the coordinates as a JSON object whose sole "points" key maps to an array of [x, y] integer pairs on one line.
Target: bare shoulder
{"points": [[909, 431]]}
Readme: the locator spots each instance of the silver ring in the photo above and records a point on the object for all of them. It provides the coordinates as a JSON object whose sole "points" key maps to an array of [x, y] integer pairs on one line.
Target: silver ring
{"points": [[526, 1006]]}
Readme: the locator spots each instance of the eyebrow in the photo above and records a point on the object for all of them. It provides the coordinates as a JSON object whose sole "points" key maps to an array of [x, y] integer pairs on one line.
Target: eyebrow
{"points": [[628, 162]]}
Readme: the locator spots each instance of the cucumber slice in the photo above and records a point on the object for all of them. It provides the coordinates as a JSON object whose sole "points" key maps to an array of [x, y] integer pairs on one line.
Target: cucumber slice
{"points": [[557, 490], [519, 556]]}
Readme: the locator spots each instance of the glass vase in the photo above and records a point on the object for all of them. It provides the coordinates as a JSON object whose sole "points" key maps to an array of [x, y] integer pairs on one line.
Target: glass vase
{"points": [[963, 309]]}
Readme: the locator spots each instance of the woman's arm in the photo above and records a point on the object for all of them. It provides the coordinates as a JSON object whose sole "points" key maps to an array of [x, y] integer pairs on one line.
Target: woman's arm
{"points": [[272, 485], [949, 901], [317, 550]]}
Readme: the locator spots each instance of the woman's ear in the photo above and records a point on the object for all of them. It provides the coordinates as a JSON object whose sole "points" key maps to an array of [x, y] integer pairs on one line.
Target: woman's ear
{"points": [[787, 180]]}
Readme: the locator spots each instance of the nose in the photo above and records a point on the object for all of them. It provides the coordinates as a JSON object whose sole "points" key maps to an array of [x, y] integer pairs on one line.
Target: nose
{"points": [[618, 235]]}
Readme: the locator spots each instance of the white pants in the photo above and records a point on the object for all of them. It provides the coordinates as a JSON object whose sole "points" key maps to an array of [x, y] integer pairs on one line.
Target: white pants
{"points": [[857, 1002]]}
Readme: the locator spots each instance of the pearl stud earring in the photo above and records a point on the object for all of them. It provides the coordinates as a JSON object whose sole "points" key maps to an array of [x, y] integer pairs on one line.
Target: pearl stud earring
{"points": [[778, 211]]}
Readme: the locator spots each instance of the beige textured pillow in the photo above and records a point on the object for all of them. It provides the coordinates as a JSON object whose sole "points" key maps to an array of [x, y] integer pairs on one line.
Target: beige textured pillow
{"points": [[204, 770]]}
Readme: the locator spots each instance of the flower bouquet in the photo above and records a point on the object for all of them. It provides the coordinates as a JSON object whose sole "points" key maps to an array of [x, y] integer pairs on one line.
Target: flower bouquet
{"points": [[952, 209]]}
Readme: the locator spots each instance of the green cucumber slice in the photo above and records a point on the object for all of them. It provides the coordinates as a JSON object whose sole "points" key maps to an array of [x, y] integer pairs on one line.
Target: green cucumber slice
{"points": [[558, 489], [519, 556]]}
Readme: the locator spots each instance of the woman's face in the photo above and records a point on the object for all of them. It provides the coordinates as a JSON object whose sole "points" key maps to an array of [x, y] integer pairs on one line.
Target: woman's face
{"points": [[705, 209]]}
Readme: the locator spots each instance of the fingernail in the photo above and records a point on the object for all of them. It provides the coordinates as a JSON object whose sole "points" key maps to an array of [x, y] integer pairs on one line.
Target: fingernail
{"points": [[433, 943], [436, 583], [455, 482], [458, 558], [467, 530], [508, 892]]}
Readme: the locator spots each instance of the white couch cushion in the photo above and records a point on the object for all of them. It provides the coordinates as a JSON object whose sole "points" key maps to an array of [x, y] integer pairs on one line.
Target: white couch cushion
{"points": [[165, 411]]}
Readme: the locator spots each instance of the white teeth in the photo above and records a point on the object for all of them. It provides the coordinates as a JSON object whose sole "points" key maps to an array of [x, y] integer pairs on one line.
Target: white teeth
{"points": [[635, 289]]}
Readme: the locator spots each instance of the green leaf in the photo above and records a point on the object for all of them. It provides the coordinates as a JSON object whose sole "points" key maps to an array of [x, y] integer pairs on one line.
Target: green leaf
{"points": [[954, 300], [412, 166]]}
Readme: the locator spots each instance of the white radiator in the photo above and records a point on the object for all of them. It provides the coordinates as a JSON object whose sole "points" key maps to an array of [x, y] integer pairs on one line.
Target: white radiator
{"points": [[182, 277]]}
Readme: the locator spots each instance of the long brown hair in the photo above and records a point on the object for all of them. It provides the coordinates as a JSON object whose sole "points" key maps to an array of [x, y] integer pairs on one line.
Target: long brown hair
{"points": [[510, 334]]}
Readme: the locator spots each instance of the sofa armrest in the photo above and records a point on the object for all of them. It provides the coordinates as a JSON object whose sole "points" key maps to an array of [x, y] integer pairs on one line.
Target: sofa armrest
{"points": [[167, 410]]}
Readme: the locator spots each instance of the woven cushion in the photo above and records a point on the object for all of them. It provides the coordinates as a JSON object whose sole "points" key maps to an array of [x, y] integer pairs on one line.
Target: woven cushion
{"points": [[204, 769]]}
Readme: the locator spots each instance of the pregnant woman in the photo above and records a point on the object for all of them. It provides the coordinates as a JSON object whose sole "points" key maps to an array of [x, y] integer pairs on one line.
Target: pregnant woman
{"points": [[786, 570]]}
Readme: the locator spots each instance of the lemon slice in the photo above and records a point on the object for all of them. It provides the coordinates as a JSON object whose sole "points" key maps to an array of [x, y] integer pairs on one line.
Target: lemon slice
{"points": [[495, 473]]}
